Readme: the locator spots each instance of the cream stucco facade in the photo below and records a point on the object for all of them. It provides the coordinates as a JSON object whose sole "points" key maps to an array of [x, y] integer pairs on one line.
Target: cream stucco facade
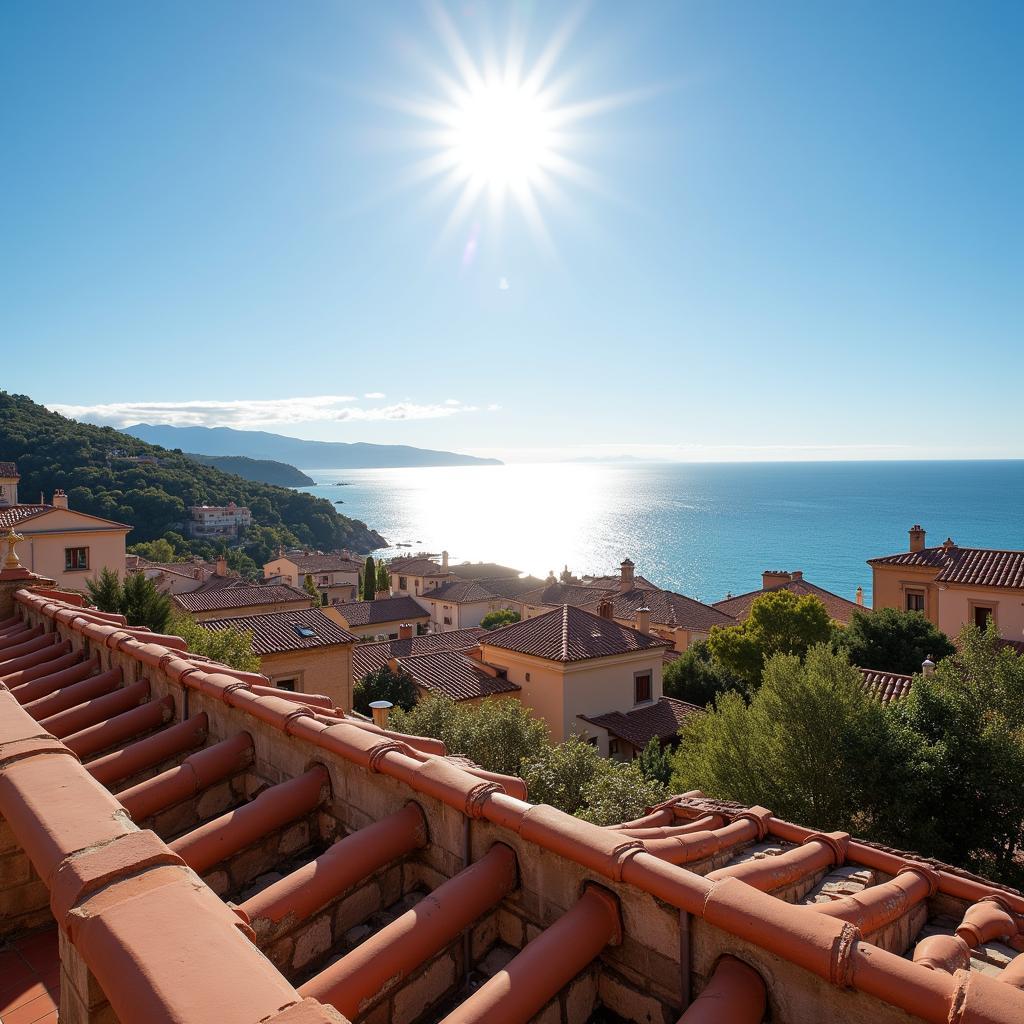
{"points": [[336, 586], [326, 670]]}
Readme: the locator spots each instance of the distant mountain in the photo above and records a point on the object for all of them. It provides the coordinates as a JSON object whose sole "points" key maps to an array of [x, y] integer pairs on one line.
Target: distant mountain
{"points": [[264, 471], [258, 444]]}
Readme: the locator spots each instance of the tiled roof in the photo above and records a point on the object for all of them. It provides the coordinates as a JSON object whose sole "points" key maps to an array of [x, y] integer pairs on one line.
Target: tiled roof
{"points": [[886, 686], [570, 634], [454, 675], [411, 565], [387, 609], [367, 657], [275, 632], [483, 571], [8, 469], [512, 587], [11, 515], [333, 561], [660, 720], [470, 591], [612, 582], [976, 567], [224, 597], [667, 609], [556, 594], [839, 609]]}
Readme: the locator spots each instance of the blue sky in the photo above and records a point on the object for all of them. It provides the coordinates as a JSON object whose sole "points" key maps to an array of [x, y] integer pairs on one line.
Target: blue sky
{"points": [[791, 230]]}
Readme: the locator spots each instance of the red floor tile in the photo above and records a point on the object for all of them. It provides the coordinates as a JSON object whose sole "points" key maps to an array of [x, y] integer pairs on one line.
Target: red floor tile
{"points": [[30, 979], [32, 1011]]}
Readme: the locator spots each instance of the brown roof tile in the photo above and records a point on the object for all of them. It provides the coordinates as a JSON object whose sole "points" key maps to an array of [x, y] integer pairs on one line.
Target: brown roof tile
{"points": [[556, 594], [387, 609], [413, 565], [12, 515], [839, 609], [976, 567], [224, 597], [667, 609], [9, 469], [333, 561], [368, 657], [660, 720], [285, 631], [570, 634], [454, 675], [886, 686], [483, 571]]}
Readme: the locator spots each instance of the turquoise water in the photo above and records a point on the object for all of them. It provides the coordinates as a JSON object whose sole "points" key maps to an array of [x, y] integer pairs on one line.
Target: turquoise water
{"points": [[702, 529]]}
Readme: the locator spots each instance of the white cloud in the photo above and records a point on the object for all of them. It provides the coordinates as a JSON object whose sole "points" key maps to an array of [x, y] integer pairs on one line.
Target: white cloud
{"points": [[375, 394], [452, 401], [503, 284], [258, 413]]}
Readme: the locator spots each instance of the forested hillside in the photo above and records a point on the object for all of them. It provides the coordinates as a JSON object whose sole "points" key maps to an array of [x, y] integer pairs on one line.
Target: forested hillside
{"points": [[93, 464], [265, 471]]}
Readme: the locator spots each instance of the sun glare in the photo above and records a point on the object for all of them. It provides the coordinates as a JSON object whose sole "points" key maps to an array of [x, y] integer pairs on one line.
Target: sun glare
{"points": [[500, 133]]}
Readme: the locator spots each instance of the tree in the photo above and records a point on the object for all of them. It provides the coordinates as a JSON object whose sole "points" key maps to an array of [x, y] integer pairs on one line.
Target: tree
{"points": [[496, 734], [369, 579], [780, 622], [502, 617], [137, 599], [811, 745], [619, 792], [231, 647], [695, 676], [310, 587], [968, 723], [893, 640], [655, 762], [384, 684], [383, 578], [159, 550]]}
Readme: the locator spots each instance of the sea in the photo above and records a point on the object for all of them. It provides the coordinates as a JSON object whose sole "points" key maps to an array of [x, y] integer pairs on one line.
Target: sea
{"points": [[702, 529]]}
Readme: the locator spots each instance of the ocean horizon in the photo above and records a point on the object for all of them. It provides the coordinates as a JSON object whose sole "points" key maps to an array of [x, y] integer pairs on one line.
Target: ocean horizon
{"points": [[702, 529]]}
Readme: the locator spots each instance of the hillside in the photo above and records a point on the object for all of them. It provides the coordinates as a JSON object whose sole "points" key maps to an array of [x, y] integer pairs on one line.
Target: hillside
{"points": [[93, 465], [265, 471], [258, 444]]}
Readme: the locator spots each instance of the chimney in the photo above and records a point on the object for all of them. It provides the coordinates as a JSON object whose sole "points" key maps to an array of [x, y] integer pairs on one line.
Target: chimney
{"points": [[916, 538], [405, 631], [626, 577], [222, 566], [444, 560], [197, 572], [928, 666], [643, 620], [604, 609], [796, 574], [60, 499], [381, 712], [773, 577], [860, 597]]}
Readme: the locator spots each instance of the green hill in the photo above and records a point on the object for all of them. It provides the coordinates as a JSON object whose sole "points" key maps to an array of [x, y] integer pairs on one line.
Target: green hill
{"points": [[95, 466], [265, 471]]}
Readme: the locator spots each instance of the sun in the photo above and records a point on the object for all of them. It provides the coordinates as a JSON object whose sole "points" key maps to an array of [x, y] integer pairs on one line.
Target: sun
{"points": [[499, 134], [502, 135]]}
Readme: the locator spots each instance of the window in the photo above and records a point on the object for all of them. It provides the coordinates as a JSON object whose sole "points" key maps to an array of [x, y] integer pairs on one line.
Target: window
{"points": [[286, 684], [304, 632], [982, 613], [641, 687], [323, 598], [915, 600], [403, 583], [527, 676], [76, 558], [613, 747], [447, 620]]}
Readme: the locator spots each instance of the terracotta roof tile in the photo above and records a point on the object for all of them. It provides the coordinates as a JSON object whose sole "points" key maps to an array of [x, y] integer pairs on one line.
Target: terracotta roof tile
{"points": [[483, 571], [11, 515], [333, 561], [224, 597], [976, 567], [387, 609], [556, 594], [570, 634], [367, 657], [612, 582], [839, 609], [275, 632], [455, 675], [413, 565], [660, 720], [667, 608], [8, 469], [886, 686], [470, 591]]}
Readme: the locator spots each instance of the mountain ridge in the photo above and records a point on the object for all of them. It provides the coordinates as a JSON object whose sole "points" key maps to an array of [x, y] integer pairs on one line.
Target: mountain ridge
{"points": [[296, 451]]}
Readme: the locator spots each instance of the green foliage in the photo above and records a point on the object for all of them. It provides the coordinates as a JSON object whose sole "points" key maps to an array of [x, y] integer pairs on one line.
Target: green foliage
{"points": [[310, 587], [965, 797], [655, 762], [497, 734], [779, 623], [228, 646], [502, 617], [893, 640], [137, 599], [574, 777], [160, 550], [695, 676], [383, 578], [265, 470], [811, 745], [89, 463], [369, 579], [384, 684]]}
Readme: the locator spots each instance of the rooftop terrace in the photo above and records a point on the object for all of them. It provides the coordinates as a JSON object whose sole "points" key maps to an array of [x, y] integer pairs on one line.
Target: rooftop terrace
{"points": [[213, 851]]}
